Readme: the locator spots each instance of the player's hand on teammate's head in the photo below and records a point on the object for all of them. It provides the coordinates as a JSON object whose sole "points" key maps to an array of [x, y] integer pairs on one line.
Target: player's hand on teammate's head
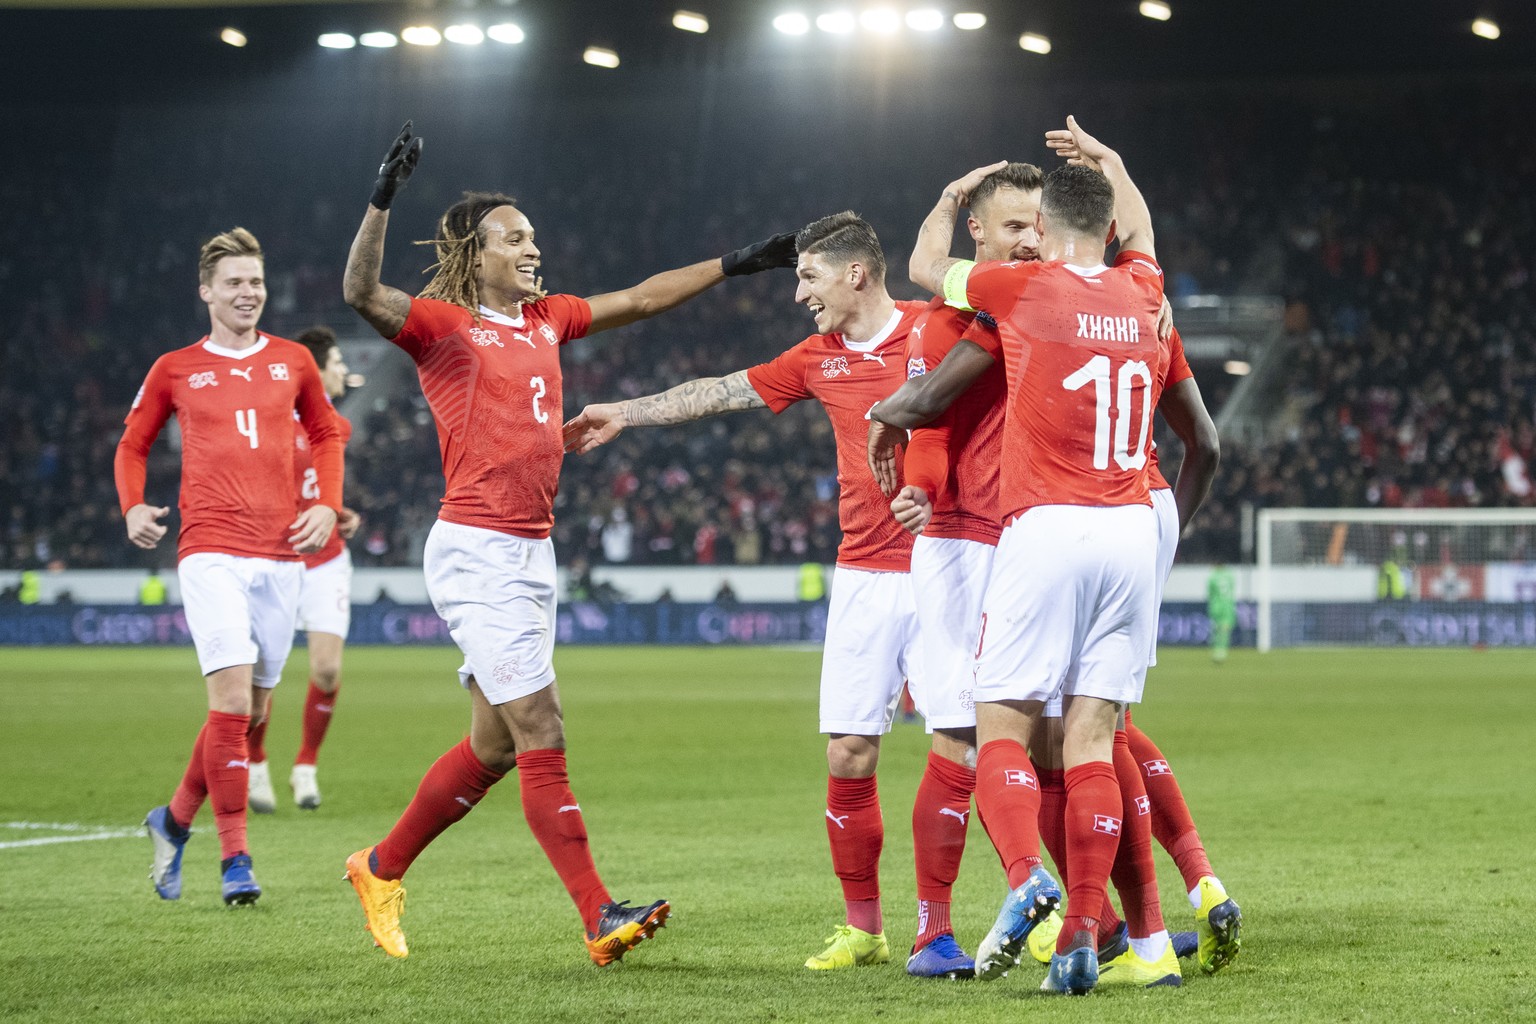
{"points": [[962, 187], [883, 439], [143, 530], [593, 427], [1165, 321], [769, 254], [312, 529], [396, 170], [912, 509], [1076, 146], [348, 522]]}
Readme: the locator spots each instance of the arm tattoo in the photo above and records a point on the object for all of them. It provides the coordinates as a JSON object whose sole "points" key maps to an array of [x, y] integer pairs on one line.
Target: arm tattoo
{"points": [[707, 396], [384, 308]]}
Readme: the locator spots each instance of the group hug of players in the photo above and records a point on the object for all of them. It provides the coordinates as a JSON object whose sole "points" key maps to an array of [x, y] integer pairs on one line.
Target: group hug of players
{"points": [[1006, 537]]}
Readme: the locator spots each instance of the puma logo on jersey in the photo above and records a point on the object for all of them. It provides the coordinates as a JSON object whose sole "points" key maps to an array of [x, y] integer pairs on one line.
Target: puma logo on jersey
{"points": [[206, 379], [877, 358], [569, 807], [957, 815], [525, 337], [834, 365], [1108, 328], [485, 337], [834, 819], [246, 373]]}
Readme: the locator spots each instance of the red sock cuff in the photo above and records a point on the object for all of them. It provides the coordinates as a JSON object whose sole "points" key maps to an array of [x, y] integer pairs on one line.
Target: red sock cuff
{"points": [[1089, 770], [477, 771], [852, 794], [956, 777]]}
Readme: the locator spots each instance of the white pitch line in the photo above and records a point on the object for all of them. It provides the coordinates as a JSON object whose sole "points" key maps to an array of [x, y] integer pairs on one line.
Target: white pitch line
{"points": [[78, 833], [76, 838]]}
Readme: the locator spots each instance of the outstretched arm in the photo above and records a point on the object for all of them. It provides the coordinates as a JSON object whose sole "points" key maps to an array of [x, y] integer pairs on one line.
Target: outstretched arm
{"points": [[930, 256], [1133, 221], [1184, 409], [661, 292], [383, 307], [596, 425]]}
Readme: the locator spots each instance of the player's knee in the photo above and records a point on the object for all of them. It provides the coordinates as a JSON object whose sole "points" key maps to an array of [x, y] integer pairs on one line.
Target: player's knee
{"points": [[326, 677], [852, 757]]}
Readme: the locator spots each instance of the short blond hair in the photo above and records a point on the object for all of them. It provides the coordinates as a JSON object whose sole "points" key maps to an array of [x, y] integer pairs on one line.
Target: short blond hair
{"points": [[234, 242]]}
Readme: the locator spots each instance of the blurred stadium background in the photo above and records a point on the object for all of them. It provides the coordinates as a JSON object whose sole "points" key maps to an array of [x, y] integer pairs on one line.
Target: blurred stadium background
{"points": [[1341, 194]]}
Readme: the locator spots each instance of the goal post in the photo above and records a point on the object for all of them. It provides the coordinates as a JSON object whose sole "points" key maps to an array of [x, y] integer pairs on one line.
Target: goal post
{"points": [[1396, 577]]}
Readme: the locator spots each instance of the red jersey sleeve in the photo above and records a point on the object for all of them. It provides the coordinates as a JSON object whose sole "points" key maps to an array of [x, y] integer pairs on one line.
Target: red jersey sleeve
{"points": [[146, 418], [428, 321], [1141, 265], [1178, 365], [780, 382], [570, 315], [996, 287], [318, 417]]}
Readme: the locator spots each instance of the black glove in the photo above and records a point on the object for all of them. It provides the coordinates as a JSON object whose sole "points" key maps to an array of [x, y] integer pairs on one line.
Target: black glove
{"points": [[778, 251], [396, 169]]}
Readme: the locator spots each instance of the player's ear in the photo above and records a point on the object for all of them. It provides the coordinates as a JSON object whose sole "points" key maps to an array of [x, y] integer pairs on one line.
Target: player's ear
{"points": [[856, 274], [1112, 233], [205, 293], [974, 226]]}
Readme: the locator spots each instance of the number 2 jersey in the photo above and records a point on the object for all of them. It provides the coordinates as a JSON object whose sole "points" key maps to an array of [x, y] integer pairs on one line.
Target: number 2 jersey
{"points": [[308, 479], [236, 409], [1082, 359], [494, 389]]}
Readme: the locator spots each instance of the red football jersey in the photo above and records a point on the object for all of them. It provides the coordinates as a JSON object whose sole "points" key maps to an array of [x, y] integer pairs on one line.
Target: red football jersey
{"points": [[236, 409], [1081, 353], [309, 487], [847, 378], [954, 458], [494, 389], [1176, 368]]}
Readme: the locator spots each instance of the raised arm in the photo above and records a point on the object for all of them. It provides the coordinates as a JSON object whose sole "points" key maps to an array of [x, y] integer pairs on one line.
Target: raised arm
{"points": [[596, 425], [383, 307], [661, 292], [1133, 221], [930, 256], [1184, 409]]}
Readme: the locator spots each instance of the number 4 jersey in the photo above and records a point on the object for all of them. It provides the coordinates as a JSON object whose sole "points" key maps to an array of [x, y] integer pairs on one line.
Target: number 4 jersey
{"points": [[236, 409], [494, 389], [1081, 353]]}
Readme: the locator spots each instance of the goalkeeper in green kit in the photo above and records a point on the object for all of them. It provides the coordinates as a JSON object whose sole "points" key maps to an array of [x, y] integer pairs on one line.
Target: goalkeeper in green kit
{"points": [[1221, 608]]}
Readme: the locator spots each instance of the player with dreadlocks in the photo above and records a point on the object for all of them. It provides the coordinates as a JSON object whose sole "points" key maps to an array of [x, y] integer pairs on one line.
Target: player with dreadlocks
{"points": [[486, 341]]}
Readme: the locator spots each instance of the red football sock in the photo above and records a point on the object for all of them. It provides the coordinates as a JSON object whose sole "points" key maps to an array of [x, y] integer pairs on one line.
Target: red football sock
{"points": [[1008, 794], [1053, 819], [193, 789], [256, 739], [1093, 835], [938, 840], [318, 706], [555, 819], [226, 769], [1171, 821], [856, 832], [1134, 874], [450, 789]]}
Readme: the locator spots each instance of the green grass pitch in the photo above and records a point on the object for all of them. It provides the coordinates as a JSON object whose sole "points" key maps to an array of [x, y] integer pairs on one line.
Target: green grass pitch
{"points": [[1370, 810]]}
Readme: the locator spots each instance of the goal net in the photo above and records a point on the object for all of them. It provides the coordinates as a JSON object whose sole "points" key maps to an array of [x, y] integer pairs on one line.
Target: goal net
{"points": [[1396, 577]]}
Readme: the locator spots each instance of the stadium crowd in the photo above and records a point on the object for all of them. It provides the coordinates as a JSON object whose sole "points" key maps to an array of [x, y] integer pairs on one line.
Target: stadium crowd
{"points": [[1409, 326]]}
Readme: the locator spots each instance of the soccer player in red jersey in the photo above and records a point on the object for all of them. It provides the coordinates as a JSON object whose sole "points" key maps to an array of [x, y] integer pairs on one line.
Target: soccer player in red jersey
{"points": [[857, 355], [1068, 610], [325, 605], [240, 396], [486, 341]]}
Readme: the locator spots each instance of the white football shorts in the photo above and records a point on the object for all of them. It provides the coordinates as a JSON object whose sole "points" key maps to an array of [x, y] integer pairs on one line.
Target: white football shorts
{"points": [[949, 579], [870, 650], [1069, 606], [241, 611], [497, 593], [1167, 547], [325, 600]]}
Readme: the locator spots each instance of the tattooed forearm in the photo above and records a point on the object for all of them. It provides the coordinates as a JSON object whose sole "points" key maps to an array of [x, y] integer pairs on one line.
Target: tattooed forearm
{"points": [[933, 241], [384, 308], [707, 396]]}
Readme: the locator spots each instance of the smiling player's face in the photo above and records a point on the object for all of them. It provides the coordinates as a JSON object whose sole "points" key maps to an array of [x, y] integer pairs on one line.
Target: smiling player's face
{"points": [[828, 290], [1004, 227], [236, 293], [509, 261]]}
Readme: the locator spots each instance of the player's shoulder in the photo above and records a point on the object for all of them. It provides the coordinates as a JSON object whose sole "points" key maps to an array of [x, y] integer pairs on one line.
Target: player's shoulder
{"points": [[912, 308], [1137, 263], [284, 345]]}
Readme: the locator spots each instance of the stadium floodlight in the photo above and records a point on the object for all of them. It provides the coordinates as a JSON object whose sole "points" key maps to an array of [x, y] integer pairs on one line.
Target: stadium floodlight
{"points": [[690, 21], [1034, 43], [378, 40], [1237, 367], [925, 19], [1486, 27], [838, 23], [506, 32], [337, 41], [421, 35], [1156, 10], [792, 24], [970, 21], [600, 56], [233, 36], [464, 35], [883, 20]]}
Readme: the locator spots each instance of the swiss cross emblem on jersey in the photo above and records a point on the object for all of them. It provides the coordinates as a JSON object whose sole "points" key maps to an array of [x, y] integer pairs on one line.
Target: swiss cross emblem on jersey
{"points": [[549, 334], [279, 371], [1105, 824], [485, 337], [834, 365]]}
